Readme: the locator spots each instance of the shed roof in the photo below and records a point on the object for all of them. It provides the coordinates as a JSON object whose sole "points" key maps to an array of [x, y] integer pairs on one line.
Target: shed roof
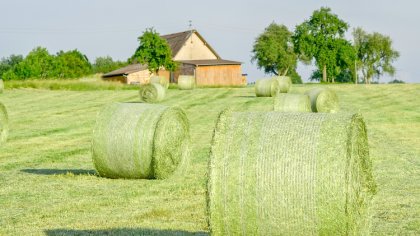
{"points": [[177, 40], [126, 70], [211, 62]]}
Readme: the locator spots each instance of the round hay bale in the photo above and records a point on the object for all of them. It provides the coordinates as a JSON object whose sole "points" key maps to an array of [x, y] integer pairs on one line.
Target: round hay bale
{"points": [[4, 124], [1, 86], [292, 103], [278, 173], [160, 80], [152, 92], [266, 87], [323, 100], [139, 140], [186, 82], [285, 83]]}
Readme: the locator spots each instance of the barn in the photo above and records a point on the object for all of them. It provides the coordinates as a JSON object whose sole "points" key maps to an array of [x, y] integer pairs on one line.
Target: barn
{"points": [[195, 57]]}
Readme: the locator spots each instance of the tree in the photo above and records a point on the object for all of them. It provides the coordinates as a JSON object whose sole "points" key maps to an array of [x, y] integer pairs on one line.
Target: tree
{"points": [[273, 50], [9, 63], [71, 64], [106, 64], [38, 64], [154, 51], [374, 54], [322, 38]]}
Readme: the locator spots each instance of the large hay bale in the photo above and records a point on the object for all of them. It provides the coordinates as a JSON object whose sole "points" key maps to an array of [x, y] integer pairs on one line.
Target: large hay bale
{"points": [[138, 140], [278, 173], [292, 103], [285, 83], [160, 80], [4, 124], [323, 100], [152, 92], [186, 82], [266, 87], [1, 86]]}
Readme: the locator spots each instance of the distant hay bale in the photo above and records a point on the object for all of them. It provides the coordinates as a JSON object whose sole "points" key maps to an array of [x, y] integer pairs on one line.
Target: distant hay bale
{"points": [[266, 88], [323, 100], [292, 103], [186, 82], [152, 93], [278, 173], [1, 86], [285, 83], [4, 124], [139, 140], [160, 80]]}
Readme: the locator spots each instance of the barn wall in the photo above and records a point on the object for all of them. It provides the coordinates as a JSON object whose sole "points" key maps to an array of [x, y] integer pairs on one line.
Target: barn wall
{"points": [[194, 49], [140, 77], [219, 75], [184, 69]]}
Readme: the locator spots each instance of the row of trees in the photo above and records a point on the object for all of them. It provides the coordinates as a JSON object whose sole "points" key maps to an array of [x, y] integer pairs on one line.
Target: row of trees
{"points": [[40, 64], [321, 39]]}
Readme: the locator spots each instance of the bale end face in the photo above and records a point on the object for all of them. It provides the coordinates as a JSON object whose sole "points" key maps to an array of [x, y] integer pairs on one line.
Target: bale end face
{"points": [[323, 100], [152, 93]]}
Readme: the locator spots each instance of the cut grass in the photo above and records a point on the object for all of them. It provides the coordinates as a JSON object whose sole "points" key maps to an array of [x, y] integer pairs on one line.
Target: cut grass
{"points": [[50, 137]]}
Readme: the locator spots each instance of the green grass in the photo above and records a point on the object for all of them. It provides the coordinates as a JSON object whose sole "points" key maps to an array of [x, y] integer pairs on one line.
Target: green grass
{"points": [[48, 185]]}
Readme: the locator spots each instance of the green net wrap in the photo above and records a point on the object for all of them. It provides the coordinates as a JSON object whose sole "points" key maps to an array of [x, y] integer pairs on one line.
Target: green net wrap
{"points": [[277, 173], [139, 140]]}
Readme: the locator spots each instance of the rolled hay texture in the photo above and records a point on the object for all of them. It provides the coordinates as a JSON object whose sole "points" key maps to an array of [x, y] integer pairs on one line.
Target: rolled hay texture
{"points": [[152, 92], [139, 140], [4, 124], [323, 100], [266, 88], [160, 80], [186, 82], [278, 173], [285, 83], [292, 103], [1, 86]]}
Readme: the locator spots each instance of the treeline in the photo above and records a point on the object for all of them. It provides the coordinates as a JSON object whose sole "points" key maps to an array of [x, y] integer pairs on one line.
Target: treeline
{"points": [[40, 64], [321, 39]]}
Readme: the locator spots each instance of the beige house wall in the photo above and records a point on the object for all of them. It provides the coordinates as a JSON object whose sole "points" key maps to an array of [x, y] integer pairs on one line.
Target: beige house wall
{"points": [[194, 49], [140, 77]]}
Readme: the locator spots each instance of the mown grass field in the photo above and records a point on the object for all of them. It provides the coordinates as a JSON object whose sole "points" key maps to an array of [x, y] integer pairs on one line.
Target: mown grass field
{"points": [[48, 184]]}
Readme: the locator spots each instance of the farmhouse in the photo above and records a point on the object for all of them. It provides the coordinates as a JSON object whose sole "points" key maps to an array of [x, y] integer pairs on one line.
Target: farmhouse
{"points": [[195, 57]]}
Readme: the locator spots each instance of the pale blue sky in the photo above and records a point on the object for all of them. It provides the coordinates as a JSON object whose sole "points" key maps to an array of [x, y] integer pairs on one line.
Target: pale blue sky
{"points": [[105, 27]]}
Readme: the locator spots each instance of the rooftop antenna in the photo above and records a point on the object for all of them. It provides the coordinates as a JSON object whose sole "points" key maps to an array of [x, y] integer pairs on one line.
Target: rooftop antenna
{"points": [[191, 29]]}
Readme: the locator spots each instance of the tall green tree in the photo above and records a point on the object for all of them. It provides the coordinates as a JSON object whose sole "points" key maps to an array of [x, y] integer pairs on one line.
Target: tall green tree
{"points": [[322, 38], [374, 54], [273, 51], [154, 51], [38, 64]]}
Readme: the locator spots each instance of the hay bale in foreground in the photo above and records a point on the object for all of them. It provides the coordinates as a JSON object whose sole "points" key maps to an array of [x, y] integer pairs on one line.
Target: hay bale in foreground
{"points": [[278, 173], [285, 83], [1, 86], [160, 80], [266, 88], [323, 100], [292, 103], [152, 92], [186, 82], [138, 140], [4, 124]]}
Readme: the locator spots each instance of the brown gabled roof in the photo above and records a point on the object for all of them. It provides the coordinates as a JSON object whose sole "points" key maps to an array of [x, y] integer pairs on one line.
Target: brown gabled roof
{"points": [[211, 62], [177, 40], [126, 70]]}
